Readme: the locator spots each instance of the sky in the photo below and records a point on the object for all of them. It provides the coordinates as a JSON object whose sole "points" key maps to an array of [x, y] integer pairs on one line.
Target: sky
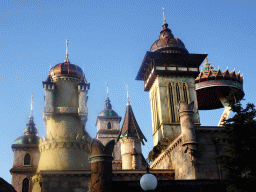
{"points": [[109, 39]]}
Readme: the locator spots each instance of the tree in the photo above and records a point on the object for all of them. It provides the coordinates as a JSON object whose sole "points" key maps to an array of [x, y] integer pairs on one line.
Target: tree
{"points": [[238, 163]]}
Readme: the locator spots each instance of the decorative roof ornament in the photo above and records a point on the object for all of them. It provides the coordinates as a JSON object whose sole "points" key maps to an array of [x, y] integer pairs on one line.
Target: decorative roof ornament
{"points": [[128, 100], [164, 17], [130, 127], [107, 89], [31, 109], [66, 60]]}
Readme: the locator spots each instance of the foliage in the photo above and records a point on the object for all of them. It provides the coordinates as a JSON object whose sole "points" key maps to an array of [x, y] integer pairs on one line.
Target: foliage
{"points": [[238, 163], [158, 149]]}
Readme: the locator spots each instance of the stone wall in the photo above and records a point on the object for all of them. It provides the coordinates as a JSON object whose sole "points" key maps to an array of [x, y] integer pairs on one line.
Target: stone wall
{"points": [[203, 166], [65, 181]]}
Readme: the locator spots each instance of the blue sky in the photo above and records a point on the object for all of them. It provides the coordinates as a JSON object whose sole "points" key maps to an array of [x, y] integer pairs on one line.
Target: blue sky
{"points": [[109, 40]]}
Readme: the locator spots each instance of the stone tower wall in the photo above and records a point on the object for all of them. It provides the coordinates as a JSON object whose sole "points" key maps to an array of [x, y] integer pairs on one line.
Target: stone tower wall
{"points": [[66, 144], [127, 145], [203, 167], [164, 125], [20, 171]]}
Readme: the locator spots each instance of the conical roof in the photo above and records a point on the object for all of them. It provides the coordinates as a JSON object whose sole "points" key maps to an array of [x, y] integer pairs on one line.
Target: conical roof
{"points": [[130, 127]]}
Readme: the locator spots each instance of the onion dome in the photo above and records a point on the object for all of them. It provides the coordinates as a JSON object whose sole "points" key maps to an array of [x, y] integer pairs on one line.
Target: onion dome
{"points": [[107, 112], [167, 43], [66, 69], [211, 85], [29, 136], [30, 130]]}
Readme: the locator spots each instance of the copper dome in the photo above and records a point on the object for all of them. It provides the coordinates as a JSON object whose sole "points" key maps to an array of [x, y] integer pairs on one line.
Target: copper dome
{"points": [[167, 41], [66, 69]]}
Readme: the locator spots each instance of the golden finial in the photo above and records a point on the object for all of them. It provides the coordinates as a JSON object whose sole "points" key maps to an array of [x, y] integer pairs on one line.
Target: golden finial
{"points": [[164, 16], [128, 101], [66, 60], [31, 109]]}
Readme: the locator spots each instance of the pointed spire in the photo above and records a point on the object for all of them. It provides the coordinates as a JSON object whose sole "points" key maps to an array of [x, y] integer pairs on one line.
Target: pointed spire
{"points": [[31, 128], [31, 109], [66, 60], [164, 16], [107, 89], [107, 101], [130, 127], [128, 101]]}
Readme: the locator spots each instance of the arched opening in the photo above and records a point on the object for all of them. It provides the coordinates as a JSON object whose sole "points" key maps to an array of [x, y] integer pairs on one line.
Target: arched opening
{"points": [[27, 159], [109, 125], [25, 185]]}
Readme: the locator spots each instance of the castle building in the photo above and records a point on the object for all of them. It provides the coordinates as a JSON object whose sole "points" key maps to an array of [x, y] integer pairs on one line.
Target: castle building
{"points": [[108, 128], [183, 151]]}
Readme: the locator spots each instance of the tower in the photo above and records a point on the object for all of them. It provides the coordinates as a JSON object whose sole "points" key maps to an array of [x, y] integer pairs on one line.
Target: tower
{"points": [[169, 71], [130, 138], [65, 146], [108, 123], [26, 156]]}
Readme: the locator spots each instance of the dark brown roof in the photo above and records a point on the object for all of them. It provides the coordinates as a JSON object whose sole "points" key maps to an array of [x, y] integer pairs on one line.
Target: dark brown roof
{"points": [[130, 127]]}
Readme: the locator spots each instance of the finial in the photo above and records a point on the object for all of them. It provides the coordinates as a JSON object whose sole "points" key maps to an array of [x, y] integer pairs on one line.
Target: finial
{"points": [[128, 101], [31, 110], [206, 60], [66, 60], [107, 89], [164, 16]]}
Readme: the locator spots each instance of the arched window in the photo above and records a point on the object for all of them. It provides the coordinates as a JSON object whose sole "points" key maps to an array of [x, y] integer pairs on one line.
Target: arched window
{"points": [[25, 185], [27, 159], [109, 125]]}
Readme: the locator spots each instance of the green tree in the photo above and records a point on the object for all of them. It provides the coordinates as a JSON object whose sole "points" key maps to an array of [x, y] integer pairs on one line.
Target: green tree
{"points": [[239, 161]]}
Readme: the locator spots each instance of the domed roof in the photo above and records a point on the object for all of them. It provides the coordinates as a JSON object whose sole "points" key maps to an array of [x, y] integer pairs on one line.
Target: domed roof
{"points": [[66, 69], [167, 41], [108, 112], [27, 139], [30, 132]]}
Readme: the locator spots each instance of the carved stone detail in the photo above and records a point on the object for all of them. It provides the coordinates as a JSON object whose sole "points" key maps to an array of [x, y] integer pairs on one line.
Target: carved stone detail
{"points": [[79, 142], [187, 127]]}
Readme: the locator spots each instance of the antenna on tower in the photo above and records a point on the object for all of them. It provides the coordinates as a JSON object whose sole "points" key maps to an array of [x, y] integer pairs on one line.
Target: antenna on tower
{"points": [[31, 110], [164, 16], [66, 60], [128, 101]]}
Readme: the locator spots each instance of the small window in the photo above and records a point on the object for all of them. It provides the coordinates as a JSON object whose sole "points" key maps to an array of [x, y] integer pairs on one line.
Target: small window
{"points": [[25, 185], [109, 125], [27, 159]]}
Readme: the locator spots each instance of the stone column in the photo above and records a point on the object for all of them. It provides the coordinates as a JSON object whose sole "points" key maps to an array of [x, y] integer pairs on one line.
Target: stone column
{"points": [[101, 166], [187, 127]]}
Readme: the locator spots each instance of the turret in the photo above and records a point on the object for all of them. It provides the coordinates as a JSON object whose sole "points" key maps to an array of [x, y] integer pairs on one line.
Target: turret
{"points": [[131, 138], [108, 124], [26, 156], [65, 146], [169, 71]]}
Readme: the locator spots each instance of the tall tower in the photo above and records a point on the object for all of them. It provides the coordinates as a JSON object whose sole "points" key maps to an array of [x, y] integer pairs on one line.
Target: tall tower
{"points": [[169, 71], [65, 146], [26, 156], [130, 138], [108, 124]]}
